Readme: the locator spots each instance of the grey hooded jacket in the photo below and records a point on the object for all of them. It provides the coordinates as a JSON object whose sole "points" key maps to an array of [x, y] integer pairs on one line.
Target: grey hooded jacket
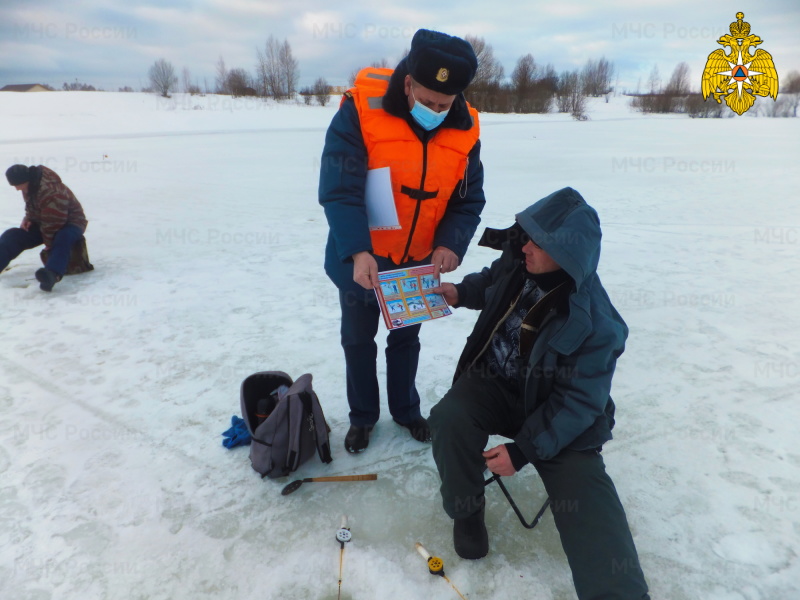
{"points": [[571, 359]]}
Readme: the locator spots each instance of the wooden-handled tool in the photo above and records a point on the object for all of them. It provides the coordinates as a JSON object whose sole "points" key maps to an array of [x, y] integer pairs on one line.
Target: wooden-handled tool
{"points": [[296, 484]]}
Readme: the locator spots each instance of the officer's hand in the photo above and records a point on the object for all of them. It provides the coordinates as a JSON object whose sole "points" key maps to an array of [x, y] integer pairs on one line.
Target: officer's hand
{"points": [[26, 224], [365, 270], [498, 461], [443, 260], [449, 291]]}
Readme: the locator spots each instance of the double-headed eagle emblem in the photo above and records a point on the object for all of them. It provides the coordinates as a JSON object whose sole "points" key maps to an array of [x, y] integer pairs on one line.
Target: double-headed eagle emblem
{"points": [[739, 76]]}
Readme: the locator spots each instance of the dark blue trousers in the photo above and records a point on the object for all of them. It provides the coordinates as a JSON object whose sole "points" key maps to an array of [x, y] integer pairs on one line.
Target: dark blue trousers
{"points": [[16, 240], [586, 509], [360, 322]]}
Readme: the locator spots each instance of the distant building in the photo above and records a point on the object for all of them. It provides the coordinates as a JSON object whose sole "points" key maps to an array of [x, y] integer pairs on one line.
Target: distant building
{"points": [[27, 87]]}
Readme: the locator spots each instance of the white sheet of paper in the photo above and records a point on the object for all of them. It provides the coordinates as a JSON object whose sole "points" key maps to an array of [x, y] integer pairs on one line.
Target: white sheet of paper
{"points": [[381, 211]]}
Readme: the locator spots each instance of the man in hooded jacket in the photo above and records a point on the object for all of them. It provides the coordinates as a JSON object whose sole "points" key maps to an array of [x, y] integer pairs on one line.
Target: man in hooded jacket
{"points": [[537, 368]]}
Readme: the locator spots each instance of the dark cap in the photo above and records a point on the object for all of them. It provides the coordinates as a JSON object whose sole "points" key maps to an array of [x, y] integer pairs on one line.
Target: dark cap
{"points": [[18, 174], [442, 63]]}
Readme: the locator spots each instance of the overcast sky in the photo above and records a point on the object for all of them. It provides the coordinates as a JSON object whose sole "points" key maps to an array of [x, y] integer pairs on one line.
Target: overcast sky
{"points": [[112, 43]]}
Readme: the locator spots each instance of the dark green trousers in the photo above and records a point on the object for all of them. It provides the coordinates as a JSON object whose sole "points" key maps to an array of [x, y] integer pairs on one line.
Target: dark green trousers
{"points": [[586, 508]]}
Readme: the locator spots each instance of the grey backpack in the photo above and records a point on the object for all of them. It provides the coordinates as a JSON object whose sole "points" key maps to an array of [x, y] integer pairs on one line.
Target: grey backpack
{"points": [[286, 422]]}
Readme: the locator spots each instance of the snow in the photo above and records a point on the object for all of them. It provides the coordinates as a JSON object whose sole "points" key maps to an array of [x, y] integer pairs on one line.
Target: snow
{"points": [[207, 241]]}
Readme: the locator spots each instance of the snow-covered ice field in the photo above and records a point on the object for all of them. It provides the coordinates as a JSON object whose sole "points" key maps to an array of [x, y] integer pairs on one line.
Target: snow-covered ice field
{"points": [[207, 242]]}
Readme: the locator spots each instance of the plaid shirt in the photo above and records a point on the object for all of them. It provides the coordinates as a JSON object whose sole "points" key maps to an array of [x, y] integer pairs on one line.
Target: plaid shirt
{"points": [[53, 207]]}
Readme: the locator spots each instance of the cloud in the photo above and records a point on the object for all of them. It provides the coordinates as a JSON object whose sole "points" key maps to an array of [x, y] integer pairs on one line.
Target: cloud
{"points": [[117, 40]]}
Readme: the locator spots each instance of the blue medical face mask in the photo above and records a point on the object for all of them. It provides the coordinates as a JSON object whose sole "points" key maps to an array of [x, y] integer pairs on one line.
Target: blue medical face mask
{"points": [[426, 117]]}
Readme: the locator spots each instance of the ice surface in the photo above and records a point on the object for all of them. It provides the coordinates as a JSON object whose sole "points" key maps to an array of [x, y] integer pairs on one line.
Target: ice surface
{"points": [[207, 240]]}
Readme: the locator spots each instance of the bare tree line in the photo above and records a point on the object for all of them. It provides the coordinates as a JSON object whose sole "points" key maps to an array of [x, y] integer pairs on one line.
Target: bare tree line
{"points": [[276, 75], [677, 96], [534, 88], [531, 87]]}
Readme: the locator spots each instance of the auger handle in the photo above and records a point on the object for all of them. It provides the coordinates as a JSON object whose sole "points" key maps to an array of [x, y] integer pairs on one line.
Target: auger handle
{"points": [[368, 477]]}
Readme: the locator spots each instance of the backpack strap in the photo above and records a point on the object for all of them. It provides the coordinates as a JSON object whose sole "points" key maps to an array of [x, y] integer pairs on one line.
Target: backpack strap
{"points": [[321, 430], [319, 425], [295, 425]]}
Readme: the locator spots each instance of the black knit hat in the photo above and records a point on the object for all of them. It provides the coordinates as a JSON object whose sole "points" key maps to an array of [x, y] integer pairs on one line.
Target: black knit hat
{"points": [[18, 174], [441, 62]]}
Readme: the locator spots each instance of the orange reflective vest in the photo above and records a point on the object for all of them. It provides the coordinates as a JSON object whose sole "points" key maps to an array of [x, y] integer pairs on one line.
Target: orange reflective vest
{"points": [[424, 174]]}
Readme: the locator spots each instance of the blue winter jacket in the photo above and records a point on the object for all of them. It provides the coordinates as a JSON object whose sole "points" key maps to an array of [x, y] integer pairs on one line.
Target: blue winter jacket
{"points": [[567, 382], [343, 172]]}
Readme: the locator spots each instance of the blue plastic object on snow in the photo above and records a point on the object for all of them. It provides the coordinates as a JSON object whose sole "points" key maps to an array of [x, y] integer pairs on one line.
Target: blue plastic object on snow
{"points": [[237, 435]]}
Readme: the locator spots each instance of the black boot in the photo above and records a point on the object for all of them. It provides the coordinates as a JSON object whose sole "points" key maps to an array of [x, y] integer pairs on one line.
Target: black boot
{"points": [[470, 538], [357, 439], [47, 279], [419, 428]]}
